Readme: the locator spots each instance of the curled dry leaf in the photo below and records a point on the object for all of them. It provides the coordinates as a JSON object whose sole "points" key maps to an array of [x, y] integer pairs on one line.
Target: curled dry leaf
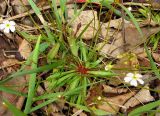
{"points": [[109, 89], [113, 104], [25, 49], [143, 96]]}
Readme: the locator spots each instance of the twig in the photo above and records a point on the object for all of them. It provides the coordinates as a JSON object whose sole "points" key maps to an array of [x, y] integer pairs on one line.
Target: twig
{"points": [[32, 11], [24, 14]]}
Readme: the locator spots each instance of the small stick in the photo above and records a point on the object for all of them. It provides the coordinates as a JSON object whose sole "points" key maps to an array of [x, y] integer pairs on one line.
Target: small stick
{"points": [[32, 12], [24, 14]]}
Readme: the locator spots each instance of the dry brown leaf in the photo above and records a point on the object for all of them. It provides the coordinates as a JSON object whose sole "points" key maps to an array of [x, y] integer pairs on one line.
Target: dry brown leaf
{"points": [[78, 112], [17, 84], [158, 109], [143, 58], [56, 107], [116, 24], [83, 19], [143, 96], [110, 50], [109, 89], [18, 2], [133, 38], [156, 57], [3, 6], [57, 114], [25, 49], [113, 104], [109, 28], [9, 64], [93, 93]]}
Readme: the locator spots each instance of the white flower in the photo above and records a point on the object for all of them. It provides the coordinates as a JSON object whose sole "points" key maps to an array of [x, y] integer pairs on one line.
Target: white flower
{"points": [[99, 98], [133, 79], [8, 26], [129, 8], [108, 67]]}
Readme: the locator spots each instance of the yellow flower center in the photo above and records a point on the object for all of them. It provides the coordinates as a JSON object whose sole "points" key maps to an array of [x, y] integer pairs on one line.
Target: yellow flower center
{"points": [[7, 25], [135, 77]]}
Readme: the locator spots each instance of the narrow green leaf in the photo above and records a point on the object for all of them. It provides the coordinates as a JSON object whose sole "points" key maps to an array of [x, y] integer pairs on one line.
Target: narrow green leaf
{"points": [[8, 90], [102, 73], [32, 80], [40, 16], [55, 10], [53, 52], [35, 70], [84, 50], [144, 108], [34, 7], [43, 104]]}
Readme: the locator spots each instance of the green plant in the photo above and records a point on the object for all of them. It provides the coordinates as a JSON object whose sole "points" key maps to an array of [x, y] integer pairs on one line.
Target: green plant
{"points": [[72, 65], [82, 67], [154, 16]]}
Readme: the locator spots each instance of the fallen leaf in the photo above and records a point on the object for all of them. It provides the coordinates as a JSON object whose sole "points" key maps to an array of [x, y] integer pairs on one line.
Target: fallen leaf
{"points": [[133, 38], [25, 49], [17, 84], [113, 104], [109, 89], [9, 64], [84, 19], [143, 96], [110, 50], [78, 112], [18, 2], [3, 7]]}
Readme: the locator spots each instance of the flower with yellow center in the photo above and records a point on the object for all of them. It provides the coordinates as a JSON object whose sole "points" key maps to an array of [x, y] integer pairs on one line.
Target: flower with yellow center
{"points": [[108, 67], [8, 26], [133, 79]]}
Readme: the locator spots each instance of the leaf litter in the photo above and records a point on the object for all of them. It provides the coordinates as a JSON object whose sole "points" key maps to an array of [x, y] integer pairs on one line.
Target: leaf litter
{"points": [[112, 96]]}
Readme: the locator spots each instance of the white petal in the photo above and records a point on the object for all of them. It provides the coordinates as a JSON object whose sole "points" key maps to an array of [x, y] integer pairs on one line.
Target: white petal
{"points": [[130, 75], [2, 26], [12, 28], [138, 75], [127, 79], [6, 30], [12, 23], [140, 81], [134, 83], [6, 22]]}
